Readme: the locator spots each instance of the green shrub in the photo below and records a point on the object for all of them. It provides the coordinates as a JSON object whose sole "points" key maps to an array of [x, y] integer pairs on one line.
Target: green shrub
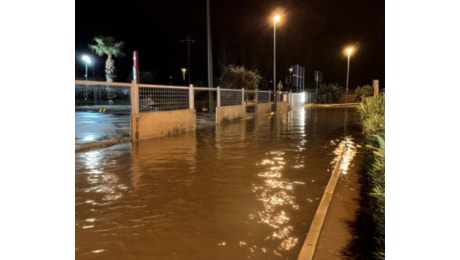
{"points": [[239, 77], [373, 116], [329, 93], [366, 90]]}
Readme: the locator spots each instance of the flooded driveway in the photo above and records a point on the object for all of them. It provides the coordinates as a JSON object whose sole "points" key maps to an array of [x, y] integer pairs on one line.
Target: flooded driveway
{"points": [[245, 190]]}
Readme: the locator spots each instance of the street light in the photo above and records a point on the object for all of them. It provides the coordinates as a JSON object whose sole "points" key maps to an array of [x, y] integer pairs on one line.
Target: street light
{"points": [[276, 18], [184, 70], [348, 50], [87, 60]]}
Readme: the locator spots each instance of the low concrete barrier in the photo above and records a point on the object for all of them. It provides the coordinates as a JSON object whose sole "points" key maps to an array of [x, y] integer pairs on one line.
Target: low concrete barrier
{"points": [[229, 113], [282, 107], [263, 108], [156, 124]]}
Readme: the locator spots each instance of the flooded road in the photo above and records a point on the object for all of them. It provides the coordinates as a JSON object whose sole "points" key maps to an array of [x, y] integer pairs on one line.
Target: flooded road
{"points": [[245, 190], [93, 126]]}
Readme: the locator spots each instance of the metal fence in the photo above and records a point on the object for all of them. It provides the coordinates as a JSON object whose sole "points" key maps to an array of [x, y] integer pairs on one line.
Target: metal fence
{"points": [[310, 96], [264, 96], [96, 93], [163, 98], [230, 97], [154, 98]]}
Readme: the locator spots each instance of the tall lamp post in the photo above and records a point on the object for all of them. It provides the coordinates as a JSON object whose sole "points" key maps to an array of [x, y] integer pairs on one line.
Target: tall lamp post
{"points": [[184, 70], [87, 60], [276, 18], [348, 50], [189, 40]]}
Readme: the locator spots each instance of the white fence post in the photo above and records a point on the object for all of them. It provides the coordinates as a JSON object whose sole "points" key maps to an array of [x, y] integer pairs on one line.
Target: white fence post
{"points": [[217, 105], [218, 96], [242, 96], [134, 111], [134, 97], [191, 97]]}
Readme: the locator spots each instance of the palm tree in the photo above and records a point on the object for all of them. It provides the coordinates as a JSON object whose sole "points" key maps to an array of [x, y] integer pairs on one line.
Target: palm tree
{"points": [[108, 46]]}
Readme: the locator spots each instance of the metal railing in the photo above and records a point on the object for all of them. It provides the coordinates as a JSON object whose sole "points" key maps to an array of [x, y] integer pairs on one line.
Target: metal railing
{"points": [[154, 98], [230, 97], [264, 96], [163, 98], [95, 94]]}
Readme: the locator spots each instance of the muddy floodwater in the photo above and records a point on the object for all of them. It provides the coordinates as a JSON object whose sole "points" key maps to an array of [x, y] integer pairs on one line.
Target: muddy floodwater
{"points": [[244, 190]]}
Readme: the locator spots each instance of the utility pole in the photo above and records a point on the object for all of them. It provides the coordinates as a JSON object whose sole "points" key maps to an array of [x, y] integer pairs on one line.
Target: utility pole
{"points": [[208, 16], [188, 40], [210, 76]]}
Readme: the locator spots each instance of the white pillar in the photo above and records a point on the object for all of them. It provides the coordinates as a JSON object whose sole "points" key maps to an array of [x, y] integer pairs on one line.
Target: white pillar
{"points": [[191, 97], [218, 96], [376, 87], [134, 97]]}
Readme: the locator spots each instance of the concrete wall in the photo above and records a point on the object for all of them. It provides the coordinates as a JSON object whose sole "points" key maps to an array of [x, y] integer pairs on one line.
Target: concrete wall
{"points": [[282, 107], [155, 124], [229, 113], [263, 108]]}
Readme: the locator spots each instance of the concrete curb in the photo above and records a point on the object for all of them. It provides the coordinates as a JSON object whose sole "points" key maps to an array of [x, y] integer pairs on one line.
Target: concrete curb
{"points": [[334, 105], [97, 145], [309, 246]]}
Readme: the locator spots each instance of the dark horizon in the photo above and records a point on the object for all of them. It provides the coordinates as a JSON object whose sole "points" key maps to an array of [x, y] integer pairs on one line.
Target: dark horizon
{"points": [[311, 34]]}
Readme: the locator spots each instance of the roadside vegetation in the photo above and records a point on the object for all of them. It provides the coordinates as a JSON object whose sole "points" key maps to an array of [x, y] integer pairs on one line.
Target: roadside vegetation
{"points": [[363, 92], [239, 77], [373, 116], [329, 93]]}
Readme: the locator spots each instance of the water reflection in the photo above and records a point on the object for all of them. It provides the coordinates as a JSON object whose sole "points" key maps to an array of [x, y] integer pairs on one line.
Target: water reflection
{"points": [[98, 186], [346, 149], [275, 193], [152, 157], [100, 179]]}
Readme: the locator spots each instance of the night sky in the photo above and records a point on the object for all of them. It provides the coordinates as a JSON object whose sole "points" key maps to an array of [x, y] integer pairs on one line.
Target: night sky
{"points": [[311, 33]]}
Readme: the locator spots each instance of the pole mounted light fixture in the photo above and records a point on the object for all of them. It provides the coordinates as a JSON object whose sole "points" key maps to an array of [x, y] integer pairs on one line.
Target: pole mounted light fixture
{"points": [[276, 18], [348, 50], [184, 70], [87, 60]]}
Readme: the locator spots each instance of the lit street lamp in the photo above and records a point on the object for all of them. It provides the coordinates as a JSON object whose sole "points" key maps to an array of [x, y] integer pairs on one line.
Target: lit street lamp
{"points": [[348, 50], [87, 60], [276, 18], [184, 70]]}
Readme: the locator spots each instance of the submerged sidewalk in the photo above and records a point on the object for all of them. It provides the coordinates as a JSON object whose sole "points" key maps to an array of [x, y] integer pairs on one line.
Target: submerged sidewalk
{"points": [[338, 231]]}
